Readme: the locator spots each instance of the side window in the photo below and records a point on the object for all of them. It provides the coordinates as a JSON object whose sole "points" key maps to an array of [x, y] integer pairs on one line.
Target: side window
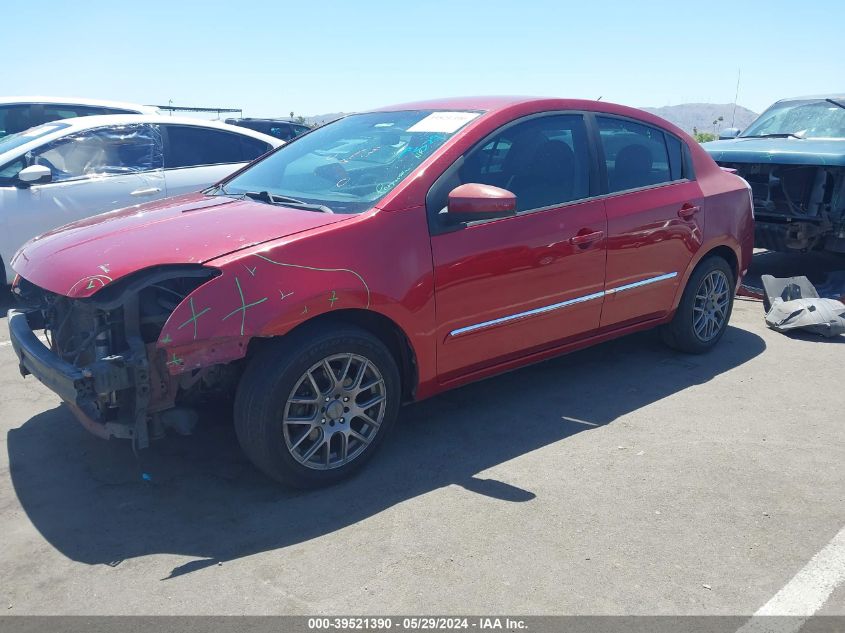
{"points": [[14, 119], [638, 155], [102, 151], [9, 171], [252, 148], [676, 162], [57, 112], [282, 131], [544, 161], [193, 146]]}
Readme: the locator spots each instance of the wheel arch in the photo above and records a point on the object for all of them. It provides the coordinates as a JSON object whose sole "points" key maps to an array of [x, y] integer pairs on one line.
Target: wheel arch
{"points": [[727, 251], [382, 327]]}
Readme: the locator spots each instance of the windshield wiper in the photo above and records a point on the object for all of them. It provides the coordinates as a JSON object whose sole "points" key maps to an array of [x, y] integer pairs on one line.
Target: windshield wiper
{"points": [[775, 135], [215, 190], [836, 103], [272, 198]]}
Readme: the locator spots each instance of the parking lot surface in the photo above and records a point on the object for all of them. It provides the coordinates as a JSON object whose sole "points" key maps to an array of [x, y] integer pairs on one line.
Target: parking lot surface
{"points": [[622, 479]]}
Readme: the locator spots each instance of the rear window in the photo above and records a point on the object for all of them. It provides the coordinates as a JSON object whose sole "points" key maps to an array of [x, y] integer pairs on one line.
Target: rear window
{"points": [[194, 146]]}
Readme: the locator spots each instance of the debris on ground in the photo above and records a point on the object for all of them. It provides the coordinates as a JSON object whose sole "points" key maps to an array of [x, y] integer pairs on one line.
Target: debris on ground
{"points": [[794, 303]]}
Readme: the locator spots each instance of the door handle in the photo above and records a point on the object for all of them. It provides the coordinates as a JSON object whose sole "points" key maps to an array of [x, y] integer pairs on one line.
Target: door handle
{"points": [[145, 192], [688, 210], [586, 238]]}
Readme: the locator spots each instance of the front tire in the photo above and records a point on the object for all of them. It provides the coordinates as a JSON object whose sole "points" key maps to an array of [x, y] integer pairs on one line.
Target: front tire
{"points": [[705, 308], [312, 408]]}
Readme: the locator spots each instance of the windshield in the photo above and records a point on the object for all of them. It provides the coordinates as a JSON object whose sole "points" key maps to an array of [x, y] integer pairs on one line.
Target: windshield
{"points": [[351, 164], [22, 138], [806, 118]]}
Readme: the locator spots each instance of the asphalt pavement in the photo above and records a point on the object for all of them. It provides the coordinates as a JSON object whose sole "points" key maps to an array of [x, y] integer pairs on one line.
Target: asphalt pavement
{"points": [[622, 479]]}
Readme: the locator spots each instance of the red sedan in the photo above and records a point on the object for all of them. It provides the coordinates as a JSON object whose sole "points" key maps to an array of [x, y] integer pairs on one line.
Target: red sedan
{"points": [[380, 259]]}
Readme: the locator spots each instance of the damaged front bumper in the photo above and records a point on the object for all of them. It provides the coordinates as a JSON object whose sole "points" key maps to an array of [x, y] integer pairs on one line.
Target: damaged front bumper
{"points": [[797, 207], [86, 389]]}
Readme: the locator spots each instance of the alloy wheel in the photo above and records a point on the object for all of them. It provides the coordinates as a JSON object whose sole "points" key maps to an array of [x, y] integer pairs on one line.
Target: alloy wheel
{"points": [[710, 308], [334, 411]]}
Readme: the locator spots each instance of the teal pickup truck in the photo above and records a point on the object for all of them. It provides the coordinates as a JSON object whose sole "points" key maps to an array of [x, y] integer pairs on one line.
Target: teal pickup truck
{"points": [[793, 156]]}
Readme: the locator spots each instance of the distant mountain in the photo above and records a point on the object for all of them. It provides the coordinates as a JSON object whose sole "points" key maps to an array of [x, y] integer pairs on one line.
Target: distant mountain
{"points": [[701, 116]]}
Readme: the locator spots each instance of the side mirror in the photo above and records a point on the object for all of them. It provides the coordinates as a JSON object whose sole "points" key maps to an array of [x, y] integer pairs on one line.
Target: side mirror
{"points": [[35, 175], [729, 133], [474, 201]]}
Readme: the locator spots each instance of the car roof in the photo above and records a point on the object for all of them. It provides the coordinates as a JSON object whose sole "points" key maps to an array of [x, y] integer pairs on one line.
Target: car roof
{"points": [[838, 97], [88, 122], [490, 104], [95, 103], [493, 104], [486, 103]]}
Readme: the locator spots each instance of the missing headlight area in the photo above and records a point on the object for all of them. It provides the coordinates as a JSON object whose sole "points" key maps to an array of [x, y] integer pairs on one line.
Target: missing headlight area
{"points": [[123, 387], [797, 207]]}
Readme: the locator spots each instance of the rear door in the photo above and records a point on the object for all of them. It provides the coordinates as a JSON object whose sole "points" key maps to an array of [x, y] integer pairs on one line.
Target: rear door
{"points": [[654, 215], [195, 157], [505, 288]]}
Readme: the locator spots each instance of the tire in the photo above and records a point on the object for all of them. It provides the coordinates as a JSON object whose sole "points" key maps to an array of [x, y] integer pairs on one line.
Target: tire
{"points": [[272, 428], [685, 332]]}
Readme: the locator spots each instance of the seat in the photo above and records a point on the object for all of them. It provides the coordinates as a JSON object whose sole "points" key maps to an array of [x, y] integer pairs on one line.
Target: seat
{"points": [[632, 168], [549, 177]]}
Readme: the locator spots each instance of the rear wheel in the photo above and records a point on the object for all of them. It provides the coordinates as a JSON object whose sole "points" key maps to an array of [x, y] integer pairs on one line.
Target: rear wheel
{"points": [[312, 411], [705, 308]]}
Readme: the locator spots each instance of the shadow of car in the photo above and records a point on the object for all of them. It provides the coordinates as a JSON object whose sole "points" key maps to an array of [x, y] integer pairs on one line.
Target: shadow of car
{"points": [[89, 499]]}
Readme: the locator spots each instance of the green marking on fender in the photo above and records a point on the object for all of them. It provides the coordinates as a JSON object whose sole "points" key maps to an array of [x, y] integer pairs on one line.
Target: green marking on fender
{"points": [[244, 306], [194, 317]]}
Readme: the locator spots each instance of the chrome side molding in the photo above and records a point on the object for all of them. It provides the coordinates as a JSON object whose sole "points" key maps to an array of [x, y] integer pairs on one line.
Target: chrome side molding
{"points": [[557, 306]]}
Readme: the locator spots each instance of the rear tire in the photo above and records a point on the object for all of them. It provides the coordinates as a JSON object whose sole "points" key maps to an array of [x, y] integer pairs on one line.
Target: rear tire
{"points": [[312, 408], [705, 308]]}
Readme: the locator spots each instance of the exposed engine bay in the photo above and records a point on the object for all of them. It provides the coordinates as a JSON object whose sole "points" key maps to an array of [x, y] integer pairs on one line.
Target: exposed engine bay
{"points": [[796, 207], [126, 390]]}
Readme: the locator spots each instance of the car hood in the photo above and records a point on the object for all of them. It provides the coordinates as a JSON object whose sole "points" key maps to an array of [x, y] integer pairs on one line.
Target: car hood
{"points": [[785, 151], [80, 258]]}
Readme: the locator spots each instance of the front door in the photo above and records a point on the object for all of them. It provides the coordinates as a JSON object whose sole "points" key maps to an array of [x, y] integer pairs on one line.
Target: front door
{"points": [[507, 287]]}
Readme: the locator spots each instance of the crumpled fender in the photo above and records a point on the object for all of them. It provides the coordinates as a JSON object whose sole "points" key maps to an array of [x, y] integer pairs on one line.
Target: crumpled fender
{"points": [[259, 294]]}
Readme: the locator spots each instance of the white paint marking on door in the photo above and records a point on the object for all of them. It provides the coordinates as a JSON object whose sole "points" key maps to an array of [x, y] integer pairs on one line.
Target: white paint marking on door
{"points": [[806, 593]]}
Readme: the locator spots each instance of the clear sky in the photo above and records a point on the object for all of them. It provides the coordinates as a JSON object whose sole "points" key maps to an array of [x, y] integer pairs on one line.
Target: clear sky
{"points": [[271, 58]]}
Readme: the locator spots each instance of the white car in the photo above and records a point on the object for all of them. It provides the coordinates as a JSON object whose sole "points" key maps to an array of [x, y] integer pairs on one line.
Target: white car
{"points": [[21, 113], [66, 170]]}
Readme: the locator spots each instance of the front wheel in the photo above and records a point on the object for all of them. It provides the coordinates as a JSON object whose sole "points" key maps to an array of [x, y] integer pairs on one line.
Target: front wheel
{"points": [[705, 308], [311, 410]]}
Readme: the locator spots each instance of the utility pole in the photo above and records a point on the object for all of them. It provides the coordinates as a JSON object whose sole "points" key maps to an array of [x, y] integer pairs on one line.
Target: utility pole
{"points": [[736, 96]]}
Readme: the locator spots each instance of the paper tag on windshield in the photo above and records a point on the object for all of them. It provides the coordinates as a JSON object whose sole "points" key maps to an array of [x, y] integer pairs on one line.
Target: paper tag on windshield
{"points": [[446, 122]]}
